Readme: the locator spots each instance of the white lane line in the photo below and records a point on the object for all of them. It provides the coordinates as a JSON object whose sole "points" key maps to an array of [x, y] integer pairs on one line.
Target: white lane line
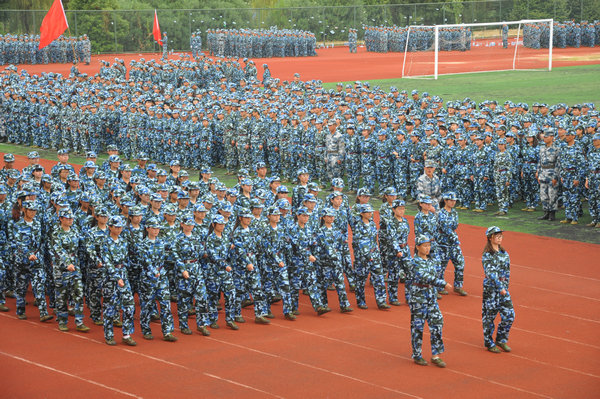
{"points": [[160, 360], [540, 270], [552, 291], [70, 375], [528, 331], [407, 358], [314, 367], [448, 339]]}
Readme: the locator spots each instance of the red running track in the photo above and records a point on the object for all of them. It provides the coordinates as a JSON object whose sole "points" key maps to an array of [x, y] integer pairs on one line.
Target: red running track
{"points": [[337, 64], [555, 285]]}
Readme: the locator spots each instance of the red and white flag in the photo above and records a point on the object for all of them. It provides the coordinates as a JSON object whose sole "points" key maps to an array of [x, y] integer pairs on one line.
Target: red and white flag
{"points": [[156, 30], [53, 25]]}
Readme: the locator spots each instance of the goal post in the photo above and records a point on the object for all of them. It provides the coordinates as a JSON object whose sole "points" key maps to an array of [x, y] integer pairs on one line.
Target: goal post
{"points": [[478, 47]]}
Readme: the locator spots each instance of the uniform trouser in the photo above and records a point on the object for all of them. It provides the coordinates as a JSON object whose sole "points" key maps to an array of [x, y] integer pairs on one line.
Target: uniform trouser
{"points": [[452, 253], [531, 189], [281, 282], [572, 197], [311, 282], [37, 276], [480, 191], [397, 272], [249, 282], [2, 283], [352, 172], [68, 285], [334, 166], [494, 304], [192, 292], [295, 274], [594, 197], [365, 265], [94, 292], [367, 172], [548, 194], [348, 268], [116, 297], [421, 313], [221, 281], [156, 290], [331, 273], [502, 193]]}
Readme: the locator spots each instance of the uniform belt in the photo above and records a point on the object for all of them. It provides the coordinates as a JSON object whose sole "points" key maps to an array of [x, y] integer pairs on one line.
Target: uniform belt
{"points": [[502, 279], [530, 162], [415, 160], [118, 266], [547, 166], [190, 261], [333, 152], [570, 170], [502, 170], [422, 285]]}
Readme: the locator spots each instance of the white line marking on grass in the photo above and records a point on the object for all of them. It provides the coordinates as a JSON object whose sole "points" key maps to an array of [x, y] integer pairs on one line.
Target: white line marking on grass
{"points": [[315, 367], [70, 375]]}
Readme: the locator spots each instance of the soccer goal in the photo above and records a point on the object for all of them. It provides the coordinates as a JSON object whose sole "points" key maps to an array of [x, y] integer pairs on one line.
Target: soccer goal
{"points": [[430, 51]]}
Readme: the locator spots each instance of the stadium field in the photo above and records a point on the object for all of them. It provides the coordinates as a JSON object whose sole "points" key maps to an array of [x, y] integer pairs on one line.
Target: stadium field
{"points": [[555, 286]]}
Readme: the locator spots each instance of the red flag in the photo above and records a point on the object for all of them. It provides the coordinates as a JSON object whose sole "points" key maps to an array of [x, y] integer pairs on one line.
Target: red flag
{"points": [[156, 30], [53, 25]]}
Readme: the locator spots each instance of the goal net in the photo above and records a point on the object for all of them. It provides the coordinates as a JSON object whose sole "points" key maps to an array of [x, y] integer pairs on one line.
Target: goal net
{"points": [[430, 51]]}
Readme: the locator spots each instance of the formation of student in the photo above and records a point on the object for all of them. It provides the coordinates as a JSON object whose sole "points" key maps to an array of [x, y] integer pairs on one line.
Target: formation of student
{"points": [[112, 233]]}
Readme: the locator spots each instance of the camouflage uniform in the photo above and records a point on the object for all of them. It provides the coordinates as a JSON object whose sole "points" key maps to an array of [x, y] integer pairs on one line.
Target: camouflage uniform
{"points": [[67, 284], [154, 285], [421, 284], [115, 259], [496, 267]]}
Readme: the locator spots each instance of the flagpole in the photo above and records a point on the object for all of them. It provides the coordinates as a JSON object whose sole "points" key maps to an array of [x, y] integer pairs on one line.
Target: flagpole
{"points": [[73, 47]]}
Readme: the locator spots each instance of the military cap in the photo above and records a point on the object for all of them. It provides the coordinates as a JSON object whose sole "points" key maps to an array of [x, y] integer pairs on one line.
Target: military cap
{"points": [[422, 239], [33, 155], [282, 203], [398, 202], [218, 219], [65, 213], [9, 158], [450, 195], [226, 207], [363, 191], [337, 182], [365, 208], [255, 203], [91, 154], [153, 223], [116, 221], [312, 186], [62, 151], [493, 230], [329, 212], [31, 205], [390, 191], [170, 210], [302, 171], [425, 199]]}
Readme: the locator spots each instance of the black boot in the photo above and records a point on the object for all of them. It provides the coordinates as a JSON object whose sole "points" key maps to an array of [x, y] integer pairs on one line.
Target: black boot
{"points": [[552, 216], [545, 217]]}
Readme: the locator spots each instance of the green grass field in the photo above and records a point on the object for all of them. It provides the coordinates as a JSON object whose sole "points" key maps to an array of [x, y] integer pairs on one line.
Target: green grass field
{"points": [[571, 85], [515, 220]]}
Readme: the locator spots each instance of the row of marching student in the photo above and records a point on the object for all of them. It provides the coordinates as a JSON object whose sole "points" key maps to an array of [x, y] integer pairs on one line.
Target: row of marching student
{"points": [[105, 238]]}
